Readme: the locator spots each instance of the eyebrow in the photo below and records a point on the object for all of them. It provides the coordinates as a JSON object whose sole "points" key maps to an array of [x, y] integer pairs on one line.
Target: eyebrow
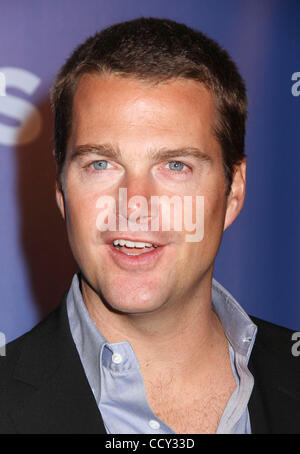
{"points": [[103, 150], [162, 154]]}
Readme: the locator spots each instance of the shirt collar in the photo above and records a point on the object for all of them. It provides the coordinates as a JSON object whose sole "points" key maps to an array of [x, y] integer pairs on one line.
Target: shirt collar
{"points": [[238, 327], [87, 337]]}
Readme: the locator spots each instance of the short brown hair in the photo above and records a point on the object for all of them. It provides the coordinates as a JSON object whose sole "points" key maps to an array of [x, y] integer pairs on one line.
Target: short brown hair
{"points": [[157, 50]]}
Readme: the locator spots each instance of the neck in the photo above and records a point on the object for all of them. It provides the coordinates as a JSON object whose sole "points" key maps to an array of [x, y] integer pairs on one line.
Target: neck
{"points": [[180, 334]]}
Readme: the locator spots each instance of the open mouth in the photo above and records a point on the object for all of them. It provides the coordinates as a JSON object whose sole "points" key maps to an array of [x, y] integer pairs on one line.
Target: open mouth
{"points": [[129, 247]]}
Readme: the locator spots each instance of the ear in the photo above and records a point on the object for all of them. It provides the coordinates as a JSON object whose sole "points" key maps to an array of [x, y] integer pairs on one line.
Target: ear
{"points": [[236, 197], [60, 199]]}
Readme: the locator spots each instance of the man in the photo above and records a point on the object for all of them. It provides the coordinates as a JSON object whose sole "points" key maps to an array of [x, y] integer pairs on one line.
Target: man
{"points": [[145, 340]]}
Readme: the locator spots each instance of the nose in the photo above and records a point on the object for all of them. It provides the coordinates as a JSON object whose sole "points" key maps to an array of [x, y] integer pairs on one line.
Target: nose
{"points": [[135, 198]]}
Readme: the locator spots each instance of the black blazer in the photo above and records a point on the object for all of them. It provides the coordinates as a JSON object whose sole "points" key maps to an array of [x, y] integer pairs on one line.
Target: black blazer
{"points": [[44, 390]]}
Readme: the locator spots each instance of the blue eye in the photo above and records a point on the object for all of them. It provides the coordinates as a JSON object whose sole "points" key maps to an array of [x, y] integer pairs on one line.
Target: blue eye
{"points": [[176, 165], [100, 165]]}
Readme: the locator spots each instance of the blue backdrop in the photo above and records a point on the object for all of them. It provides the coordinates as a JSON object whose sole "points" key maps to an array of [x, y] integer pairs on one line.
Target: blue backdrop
{"points": [[259, 257]]}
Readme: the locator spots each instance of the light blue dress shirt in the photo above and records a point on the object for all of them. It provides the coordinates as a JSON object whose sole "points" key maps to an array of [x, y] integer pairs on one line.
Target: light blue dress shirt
{"points": [[115, 378]]}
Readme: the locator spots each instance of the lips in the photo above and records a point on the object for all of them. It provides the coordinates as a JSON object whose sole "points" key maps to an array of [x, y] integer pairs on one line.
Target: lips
{"points": [[131, 241], [134, 252], [130, 247]]}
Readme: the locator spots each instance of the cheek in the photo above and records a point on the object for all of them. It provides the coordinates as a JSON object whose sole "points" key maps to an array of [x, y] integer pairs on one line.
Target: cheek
{"points": [[214, 216], [81, 213]]}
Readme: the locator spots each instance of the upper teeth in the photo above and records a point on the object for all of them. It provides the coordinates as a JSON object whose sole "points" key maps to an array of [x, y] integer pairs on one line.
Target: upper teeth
{"points": [[128, 243]]}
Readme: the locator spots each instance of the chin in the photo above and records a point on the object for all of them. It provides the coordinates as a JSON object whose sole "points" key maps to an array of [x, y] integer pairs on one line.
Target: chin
{"points": [[132, 303]]}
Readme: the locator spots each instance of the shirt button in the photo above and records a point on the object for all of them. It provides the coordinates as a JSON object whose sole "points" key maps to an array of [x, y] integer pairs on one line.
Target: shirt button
{"points": [[154, 424], [116, 358]]}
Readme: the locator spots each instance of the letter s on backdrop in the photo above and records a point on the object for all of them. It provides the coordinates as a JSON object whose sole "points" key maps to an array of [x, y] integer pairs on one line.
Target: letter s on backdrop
{"points": [[19, 109]]}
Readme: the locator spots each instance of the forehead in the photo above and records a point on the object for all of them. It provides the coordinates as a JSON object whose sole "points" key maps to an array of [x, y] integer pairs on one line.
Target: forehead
{"points": [[111, 107]]}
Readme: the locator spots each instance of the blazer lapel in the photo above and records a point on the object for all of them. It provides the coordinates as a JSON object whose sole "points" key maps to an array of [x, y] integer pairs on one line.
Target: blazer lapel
{"points": [[274, 405], [55, 396], [257, 410]]}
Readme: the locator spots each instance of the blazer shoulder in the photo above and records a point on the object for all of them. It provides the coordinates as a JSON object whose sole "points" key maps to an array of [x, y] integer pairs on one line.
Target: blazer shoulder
{"points": [[276, 345], [274, 339], [40, 333], [271, 330], [43, 386], [275, 401], [274, 359]]}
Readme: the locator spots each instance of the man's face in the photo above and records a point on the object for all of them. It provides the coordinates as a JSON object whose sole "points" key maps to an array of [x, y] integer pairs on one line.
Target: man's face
{"points": [[150, 140]]}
